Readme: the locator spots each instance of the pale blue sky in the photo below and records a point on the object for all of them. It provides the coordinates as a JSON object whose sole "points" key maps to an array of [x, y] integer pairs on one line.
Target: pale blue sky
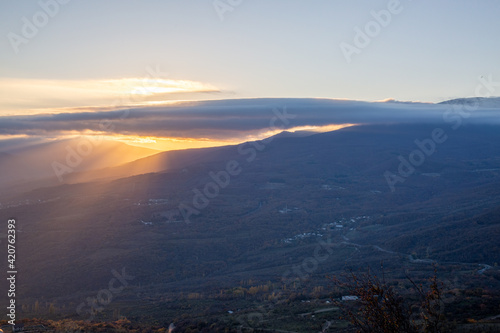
{"points": [[430, 51]]}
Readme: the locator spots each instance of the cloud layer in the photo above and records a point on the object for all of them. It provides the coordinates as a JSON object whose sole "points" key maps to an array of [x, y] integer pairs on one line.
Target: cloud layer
{"points": [[30, 96], [231, 119]]}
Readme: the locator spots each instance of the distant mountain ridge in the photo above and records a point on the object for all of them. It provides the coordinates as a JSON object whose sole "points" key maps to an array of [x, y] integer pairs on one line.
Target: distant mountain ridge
{"points": [[483, 102]]}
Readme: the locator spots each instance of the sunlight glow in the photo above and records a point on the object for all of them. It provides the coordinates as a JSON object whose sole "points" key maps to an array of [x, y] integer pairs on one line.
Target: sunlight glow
{"points": [[50, 96], [318, 129], [166, 144], [158, 86]]}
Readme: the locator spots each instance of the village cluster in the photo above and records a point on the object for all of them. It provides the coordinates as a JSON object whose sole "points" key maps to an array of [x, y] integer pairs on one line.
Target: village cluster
{"points": [[340, 225]]}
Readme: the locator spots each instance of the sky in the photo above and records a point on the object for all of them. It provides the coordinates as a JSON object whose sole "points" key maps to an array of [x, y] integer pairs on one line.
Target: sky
{"points": [[74, 56]]}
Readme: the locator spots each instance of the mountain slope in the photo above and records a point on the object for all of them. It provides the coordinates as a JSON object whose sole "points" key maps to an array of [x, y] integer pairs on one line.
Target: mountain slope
{"points": [[169, 160], [259, 224]]}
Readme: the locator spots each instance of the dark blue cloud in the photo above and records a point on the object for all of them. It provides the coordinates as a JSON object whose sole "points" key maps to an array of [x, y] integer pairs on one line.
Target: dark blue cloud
{"points": [[235, 118]]}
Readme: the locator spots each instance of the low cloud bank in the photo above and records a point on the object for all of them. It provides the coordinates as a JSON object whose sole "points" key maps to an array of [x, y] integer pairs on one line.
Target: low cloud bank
{"points": [[229, 119]]}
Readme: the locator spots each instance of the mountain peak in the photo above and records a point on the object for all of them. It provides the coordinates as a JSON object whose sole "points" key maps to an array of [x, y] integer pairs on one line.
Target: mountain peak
{"points": [[483, 102]]}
